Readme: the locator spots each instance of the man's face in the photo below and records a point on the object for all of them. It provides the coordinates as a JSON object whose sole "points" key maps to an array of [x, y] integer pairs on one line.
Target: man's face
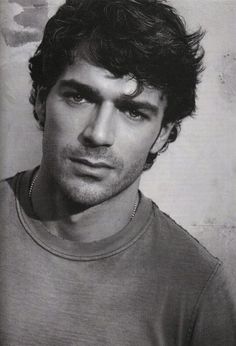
{"points": [[97, 136]]}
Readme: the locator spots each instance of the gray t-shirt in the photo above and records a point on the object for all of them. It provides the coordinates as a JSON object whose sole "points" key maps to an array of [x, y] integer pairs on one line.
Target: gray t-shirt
{"points": [[149, 284]]}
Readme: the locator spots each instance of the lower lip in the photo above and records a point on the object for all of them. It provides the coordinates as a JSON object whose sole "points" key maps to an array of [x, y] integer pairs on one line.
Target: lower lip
{"points": [[87, 169]]}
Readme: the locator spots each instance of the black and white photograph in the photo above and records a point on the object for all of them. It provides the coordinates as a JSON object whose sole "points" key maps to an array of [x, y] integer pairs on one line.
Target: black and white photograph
{"points": [[117, 173]]}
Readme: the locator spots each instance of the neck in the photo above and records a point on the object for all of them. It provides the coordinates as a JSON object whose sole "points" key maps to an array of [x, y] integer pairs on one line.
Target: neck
{"points": [[77, 222]]}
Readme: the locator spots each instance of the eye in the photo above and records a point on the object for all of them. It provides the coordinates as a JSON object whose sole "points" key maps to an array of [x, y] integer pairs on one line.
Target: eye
{"points": [[134, 114], [75, 98], [78, 99]]}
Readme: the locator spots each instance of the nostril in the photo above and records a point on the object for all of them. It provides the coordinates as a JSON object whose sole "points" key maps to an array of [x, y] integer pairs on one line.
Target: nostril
{"points": [[88, 140]]}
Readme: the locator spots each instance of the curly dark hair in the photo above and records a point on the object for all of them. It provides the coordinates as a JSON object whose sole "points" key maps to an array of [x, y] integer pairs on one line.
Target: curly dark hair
{"points": [[145, 39]]}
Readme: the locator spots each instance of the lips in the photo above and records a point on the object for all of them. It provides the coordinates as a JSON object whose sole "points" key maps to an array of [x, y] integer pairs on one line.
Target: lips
{"points": [[92, 164]]}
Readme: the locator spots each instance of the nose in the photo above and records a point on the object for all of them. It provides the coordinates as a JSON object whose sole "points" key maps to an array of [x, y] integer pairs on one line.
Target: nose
{"points": [[99, 130]]}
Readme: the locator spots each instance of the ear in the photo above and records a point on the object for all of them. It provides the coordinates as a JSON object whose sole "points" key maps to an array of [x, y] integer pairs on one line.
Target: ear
{"points": [[40, 106], [161, 138]]}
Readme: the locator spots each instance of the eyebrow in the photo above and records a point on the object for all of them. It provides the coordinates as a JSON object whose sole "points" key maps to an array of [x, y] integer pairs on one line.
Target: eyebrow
{"points": [[124, 102], [128, 102], [85, 89]]}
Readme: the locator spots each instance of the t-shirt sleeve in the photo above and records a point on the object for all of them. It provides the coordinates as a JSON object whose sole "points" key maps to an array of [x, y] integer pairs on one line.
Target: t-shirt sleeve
{"points": [[214, 321]]}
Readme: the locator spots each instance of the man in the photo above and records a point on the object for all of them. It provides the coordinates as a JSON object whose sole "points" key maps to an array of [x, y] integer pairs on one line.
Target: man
{"points": [[86, 259]]}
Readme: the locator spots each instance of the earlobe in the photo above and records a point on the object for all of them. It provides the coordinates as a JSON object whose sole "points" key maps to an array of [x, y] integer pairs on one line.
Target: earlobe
{"points": [[40, 106], [162, 138]]}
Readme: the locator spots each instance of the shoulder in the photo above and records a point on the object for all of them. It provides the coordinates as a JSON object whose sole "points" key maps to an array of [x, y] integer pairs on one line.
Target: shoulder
{"points": [[10, 186], [187, 262], [196, 285], [178, 239], [213, 319], [193, 271]]}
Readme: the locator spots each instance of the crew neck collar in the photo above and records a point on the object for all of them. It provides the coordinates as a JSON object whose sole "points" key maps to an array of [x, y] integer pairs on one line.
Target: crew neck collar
{"points": [[76, 250]]}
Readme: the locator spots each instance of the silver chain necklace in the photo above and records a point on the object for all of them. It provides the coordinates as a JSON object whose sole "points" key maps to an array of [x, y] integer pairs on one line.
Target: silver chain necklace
{"points": [[134, 209], [36, 177], [32, 186]]}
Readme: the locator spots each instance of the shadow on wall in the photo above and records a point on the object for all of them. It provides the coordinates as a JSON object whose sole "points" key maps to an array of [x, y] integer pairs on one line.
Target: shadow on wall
{"points": [[30, 23]]}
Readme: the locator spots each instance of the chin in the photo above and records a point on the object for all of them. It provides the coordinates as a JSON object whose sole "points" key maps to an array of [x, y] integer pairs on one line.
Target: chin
{"points": [[87, 194]]}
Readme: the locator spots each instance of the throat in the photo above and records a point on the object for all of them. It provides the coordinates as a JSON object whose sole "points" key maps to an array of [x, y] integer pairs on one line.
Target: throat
{"points": [[93, 224]]}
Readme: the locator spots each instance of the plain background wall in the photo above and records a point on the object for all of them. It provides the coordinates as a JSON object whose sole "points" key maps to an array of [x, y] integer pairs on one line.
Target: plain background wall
{"points": [[194, 181]]}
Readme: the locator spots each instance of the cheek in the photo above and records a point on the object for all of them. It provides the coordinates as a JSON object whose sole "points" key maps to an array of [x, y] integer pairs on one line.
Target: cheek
{"points": [[57, 120], [138, 142], [59, 127], [136, 150]]}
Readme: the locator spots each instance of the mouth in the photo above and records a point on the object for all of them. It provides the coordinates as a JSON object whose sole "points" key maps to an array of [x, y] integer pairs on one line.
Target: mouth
{"points": [[92, 164]]}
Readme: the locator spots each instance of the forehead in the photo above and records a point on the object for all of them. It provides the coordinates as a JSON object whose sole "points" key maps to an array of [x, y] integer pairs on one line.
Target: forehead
{"points": [[109, 86]]}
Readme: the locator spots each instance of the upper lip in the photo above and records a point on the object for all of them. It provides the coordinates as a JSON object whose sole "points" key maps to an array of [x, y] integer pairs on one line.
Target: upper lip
{"points": [[88, 162]]}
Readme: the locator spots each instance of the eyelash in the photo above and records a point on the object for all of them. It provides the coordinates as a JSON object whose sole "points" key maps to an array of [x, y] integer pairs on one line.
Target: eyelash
{"points": [[75, 98], [135, 115]]}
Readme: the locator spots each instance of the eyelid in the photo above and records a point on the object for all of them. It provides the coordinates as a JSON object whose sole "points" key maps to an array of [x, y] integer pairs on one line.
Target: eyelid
{"points": [[138, 115], [125, 109], [127, 105], [76, 93]]}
